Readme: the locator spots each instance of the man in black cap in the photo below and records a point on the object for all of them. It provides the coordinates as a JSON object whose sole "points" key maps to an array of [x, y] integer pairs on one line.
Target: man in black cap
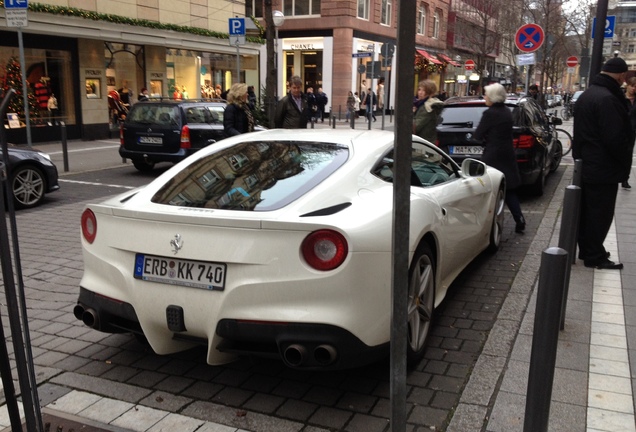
{"points": [[604, 140]]}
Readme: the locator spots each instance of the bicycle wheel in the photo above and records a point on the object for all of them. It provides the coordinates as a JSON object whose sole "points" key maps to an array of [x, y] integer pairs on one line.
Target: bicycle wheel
{"points": [[565, 113], [566, 140]]}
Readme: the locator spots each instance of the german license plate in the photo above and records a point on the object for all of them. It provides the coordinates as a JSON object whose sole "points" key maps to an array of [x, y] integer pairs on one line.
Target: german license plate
{"points": [[173, 271], [150, 140], [476, 150]]}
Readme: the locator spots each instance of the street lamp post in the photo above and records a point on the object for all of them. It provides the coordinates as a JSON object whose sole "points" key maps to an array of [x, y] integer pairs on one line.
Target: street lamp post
{"points": [[279, 18]]}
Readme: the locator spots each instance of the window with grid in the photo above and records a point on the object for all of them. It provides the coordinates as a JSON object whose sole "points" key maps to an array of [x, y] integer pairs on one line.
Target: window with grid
{"points": [[301, 7], [386, 12], [421, 21], [363, 9], [254, 8], [436, 24]]}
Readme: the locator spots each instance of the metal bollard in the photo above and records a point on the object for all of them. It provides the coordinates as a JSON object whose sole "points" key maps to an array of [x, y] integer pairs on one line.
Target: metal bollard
{"points": [[353, 119], [334, 121], [312, 122], [578, 172], [64, 145], [545, 339], [568, 235]]}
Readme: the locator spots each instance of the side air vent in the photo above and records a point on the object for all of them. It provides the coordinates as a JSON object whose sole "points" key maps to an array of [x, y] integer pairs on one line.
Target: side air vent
{"points": [[327, 210]]}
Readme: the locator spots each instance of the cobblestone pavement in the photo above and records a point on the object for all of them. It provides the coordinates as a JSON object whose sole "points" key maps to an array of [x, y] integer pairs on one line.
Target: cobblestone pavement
{"points": [[68, 355]]}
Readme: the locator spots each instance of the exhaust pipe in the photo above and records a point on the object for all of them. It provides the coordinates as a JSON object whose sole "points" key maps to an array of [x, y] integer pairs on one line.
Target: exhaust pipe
{"points": [[90, 318], [325, 354], [295, 355], [78, 311]]}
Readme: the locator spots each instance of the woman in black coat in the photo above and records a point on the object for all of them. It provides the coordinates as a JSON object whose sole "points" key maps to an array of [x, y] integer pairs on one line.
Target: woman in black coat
{"points": [[238, 118], [495, 131]]}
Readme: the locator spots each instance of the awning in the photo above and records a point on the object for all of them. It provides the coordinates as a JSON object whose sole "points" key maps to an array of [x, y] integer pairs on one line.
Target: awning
{"points": [[448, 60], [428, 57]]}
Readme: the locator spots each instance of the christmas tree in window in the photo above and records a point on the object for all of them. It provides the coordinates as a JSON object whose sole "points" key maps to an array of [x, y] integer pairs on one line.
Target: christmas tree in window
{"points": [[13, 80]]}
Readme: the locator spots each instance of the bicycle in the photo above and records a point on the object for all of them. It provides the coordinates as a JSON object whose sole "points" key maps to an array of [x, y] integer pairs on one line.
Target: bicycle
{"points": [[566, 112], [566, 143]]}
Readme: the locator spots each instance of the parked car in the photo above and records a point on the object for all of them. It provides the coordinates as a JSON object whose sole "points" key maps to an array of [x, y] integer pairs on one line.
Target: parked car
{"points": [[575, 97], [31, 175], [538, 150], [278, 243], [170, 130]]}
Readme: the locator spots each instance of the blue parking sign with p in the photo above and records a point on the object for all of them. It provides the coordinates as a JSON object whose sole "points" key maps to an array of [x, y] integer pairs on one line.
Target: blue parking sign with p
{"points": [[237, 26]]}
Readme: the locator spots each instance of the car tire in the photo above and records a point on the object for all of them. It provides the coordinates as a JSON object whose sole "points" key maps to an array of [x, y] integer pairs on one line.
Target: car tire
{"points": [[538, 187], [496, 230], [556, 156], [143, 166], [28, 186], [421, 302]]}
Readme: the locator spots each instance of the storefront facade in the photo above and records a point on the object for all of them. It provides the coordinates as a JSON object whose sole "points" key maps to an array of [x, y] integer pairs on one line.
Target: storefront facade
{"points": [[81, 67]]}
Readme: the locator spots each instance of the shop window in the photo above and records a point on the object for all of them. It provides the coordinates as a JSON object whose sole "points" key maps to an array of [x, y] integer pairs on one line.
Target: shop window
{"points": [[93, 88], [363, 9], [49, 80]]}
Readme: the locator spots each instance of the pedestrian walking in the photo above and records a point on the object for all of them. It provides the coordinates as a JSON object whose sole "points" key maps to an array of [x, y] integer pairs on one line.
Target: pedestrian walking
{"points": [[426, 111], [321, 103], [238, 118], [311, 103], [370, 103], [292, 111], [379, 91], [351, 106], [604, 141], [495, 133]]}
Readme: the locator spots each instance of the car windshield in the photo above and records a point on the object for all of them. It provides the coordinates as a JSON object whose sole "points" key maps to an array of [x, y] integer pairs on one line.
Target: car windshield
{"points": [[153, 114], [253, 176]]}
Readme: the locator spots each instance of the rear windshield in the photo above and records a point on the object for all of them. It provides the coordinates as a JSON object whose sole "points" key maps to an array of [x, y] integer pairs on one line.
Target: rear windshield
{"points": [[463, 114], [253, 176], [165, 115]]}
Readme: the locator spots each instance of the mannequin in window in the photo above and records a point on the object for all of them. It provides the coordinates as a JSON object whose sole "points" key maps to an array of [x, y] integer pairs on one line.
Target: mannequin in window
{"points": [[42, 93], [184, 92]]}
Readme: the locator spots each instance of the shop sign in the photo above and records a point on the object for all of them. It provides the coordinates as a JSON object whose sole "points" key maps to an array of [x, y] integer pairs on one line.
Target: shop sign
{"points": [[93, 72], [156, 75], [303, 44]]}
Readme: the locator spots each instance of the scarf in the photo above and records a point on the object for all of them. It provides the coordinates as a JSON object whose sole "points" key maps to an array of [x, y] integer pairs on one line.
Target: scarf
{"points": [[248, 112]]}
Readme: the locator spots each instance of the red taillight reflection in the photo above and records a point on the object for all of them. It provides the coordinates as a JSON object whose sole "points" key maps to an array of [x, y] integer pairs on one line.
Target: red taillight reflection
{"points": [[324, 249], [185, 138], [89, 225], [121, 135]]}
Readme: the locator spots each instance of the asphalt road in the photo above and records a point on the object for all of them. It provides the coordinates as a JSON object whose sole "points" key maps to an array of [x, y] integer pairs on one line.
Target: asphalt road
{"points": [[69, 355]]}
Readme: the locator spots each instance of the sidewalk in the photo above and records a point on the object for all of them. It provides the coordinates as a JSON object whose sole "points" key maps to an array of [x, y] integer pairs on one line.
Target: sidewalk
{"points": [[593, 383]]}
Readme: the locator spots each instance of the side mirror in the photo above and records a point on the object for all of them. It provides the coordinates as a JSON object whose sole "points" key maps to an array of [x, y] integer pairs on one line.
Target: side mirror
{"points": [[557, 121], [473, 168]]}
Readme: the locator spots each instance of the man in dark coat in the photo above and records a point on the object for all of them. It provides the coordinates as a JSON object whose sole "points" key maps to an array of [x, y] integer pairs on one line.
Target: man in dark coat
{"points": [[604, 140], [292, 111]]}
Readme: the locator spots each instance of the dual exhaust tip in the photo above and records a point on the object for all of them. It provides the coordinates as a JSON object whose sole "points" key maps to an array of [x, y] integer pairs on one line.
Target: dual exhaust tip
{"points": [[296, 355], [88, 316]]}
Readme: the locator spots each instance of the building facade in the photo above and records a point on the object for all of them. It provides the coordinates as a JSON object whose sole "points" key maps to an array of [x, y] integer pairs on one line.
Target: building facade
{"points": [[79, 56]]}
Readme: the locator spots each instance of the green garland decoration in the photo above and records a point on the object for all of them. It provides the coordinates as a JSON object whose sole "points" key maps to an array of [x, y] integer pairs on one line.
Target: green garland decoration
{"points": [[116, 19]]}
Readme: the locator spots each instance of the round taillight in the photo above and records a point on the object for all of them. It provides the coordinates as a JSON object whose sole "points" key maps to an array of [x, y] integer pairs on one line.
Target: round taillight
{"points": [[324, 249], [89, 225]]}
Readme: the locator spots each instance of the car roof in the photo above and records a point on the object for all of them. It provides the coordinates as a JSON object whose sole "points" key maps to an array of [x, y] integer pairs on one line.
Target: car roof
{"points": [[162, 101]]}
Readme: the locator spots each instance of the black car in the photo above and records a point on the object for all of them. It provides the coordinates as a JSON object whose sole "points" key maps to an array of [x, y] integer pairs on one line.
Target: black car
{"points": [[169, 130], [31, 175], [538, 150]]}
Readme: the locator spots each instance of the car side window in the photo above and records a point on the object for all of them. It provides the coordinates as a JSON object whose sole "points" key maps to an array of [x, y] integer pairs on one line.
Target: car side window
{"points": [[429, 167]]}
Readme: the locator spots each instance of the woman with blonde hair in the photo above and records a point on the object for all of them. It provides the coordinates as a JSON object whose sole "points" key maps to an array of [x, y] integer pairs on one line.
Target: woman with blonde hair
{"points": [[238, 117]]}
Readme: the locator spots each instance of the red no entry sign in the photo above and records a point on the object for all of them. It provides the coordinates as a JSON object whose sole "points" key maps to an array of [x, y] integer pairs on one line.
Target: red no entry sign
{"points": [[529, 37], [469, 65], [572, 61]]}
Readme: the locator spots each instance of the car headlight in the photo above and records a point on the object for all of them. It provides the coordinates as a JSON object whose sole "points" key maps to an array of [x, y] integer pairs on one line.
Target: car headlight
{"points": [[44, 156]]}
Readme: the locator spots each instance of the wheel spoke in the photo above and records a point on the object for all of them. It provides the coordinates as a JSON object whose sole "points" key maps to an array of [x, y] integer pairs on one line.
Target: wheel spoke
{"points": [[420, 305]]}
